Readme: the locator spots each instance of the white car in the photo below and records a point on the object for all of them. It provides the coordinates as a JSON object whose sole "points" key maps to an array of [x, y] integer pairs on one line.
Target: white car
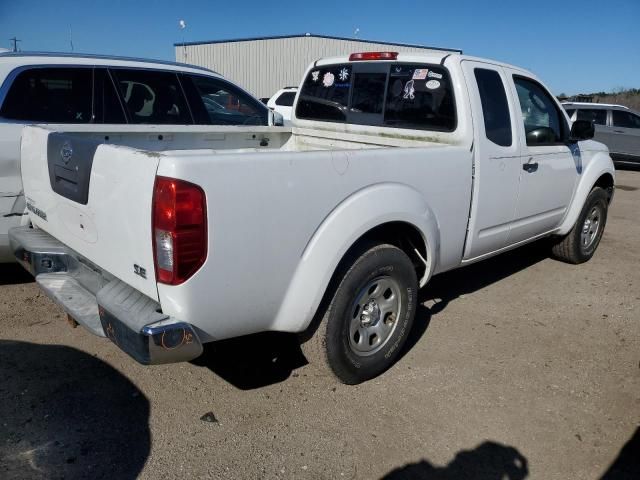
{"points": [[397, 167], [282, 102], [87, 89]]}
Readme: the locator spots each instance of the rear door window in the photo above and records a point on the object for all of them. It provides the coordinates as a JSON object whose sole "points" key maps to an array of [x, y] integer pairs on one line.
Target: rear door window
{"points": [[413, 96], [216, 102], [152, 97], [51, 95], [594, 115], [625, 119], [106, 104], [495, 107]]}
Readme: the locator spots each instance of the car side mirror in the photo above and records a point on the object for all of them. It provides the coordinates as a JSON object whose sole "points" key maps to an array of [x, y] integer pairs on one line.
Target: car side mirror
{"points": [[276, 119], [581, 130], [541, 135]]}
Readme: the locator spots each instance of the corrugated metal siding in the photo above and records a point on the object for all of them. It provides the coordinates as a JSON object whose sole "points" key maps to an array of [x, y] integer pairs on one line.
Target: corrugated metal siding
{"points": [[264, 66]]}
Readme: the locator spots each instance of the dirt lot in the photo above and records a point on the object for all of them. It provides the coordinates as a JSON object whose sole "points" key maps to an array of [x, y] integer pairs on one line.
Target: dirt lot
{"points": [[520, 367]]}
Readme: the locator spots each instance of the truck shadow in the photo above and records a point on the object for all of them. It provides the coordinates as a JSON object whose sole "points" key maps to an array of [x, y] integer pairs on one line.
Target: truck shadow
{"points": [[488, 461], [446, 287], [66, 414], [627, 465], [13, 274]]}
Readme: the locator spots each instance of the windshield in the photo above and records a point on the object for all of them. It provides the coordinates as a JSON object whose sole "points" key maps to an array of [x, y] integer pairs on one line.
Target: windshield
{"points": [[416, 96]]}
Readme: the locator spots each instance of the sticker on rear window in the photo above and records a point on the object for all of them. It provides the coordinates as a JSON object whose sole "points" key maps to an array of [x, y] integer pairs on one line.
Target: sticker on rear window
{"points": [[433, 74], [328, 79], [409, 91], [315, 75], [433, 84], [420, 73]]}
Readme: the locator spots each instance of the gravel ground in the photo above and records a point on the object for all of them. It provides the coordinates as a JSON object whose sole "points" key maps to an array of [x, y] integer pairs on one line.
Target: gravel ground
{"points": [[519, 367]]}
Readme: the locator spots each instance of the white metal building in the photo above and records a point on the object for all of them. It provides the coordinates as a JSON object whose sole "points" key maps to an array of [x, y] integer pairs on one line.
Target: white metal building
{"points": [[266, 64]]}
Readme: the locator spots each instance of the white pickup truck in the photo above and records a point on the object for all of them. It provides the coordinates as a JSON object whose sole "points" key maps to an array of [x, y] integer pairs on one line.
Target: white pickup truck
{"points": [[397, 167]]}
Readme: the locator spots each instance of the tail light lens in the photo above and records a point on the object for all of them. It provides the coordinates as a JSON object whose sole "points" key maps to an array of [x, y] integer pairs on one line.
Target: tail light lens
{"points": [[179, 229]]}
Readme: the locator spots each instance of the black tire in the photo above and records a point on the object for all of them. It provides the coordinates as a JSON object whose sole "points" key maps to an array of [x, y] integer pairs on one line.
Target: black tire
{"points": [[576, 248], [333, 348]]}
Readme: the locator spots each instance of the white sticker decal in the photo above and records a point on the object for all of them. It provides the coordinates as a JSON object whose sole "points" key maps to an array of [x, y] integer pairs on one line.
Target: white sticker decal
{"points": [[409, 91], [343, 75], [433, 74], [420, 73], [315, 75], [433, 84], [328, 79]]}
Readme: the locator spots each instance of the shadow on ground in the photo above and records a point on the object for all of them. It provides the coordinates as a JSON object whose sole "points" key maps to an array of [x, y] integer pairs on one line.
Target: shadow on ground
{"points": [[446, 287], [13, 274], [627, 465], [66, 414], [488, 461], [253, 361]]}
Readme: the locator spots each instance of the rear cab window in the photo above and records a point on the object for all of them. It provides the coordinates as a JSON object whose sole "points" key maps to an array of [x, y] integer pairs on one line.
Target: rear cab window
{"points": [[286, 99], [389, 94]]}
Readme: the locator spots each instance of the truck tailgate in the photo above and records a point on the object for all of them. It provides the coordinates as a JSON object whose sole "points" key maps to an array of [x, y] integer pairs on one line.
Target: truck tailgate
{"points": [[94, 198]]}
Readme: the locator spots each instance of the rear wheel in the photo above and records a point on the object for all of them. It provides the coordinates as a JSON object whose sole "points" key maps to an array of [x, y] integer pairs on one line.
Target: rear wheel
{"points": [[362, 327], [581, 242]]}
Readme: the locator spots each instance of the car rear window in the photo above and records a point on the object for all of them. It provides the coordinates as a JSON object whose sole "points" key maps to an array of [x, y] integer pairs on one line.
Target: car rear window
{"points": [[400, 95], [286, 99], [53, 95]]}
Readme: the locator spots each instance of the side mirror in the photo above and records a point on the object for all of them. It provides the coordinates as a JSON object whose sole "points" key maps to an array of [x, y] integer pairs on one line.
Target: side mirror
{"points": [[581, 130], [541, 135], [276, 119]]}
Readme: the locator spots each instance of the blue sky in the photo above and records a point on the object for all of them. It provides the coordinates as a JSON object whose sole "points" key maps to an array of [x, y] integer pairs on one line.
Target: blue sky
{"points": [[573, 45]]}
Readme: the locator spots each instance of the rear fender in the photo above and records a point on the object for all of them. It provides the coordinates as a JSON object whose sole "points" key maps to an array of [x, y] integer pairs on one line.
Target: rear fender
{"points": [[341, 229], [600, 164]]}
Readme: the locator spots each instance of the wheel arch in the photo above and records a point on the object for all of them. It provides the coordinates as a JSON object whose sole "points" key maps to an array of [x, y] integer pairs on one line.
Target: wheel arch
{"points": [[600, 172], [385, 213]]}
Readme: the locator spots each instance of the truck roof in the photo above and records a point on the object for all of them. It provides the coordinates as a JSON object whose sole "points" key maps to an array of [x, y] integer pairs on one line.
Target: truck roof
{"points": [[427, 57], [593, 105], [34, 58]]}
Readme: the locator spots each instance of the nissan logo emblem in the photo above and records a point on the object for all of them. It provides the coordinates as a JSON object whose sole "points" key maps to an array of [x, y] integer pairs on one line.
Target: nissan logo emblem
{"points": [[66, 152]]}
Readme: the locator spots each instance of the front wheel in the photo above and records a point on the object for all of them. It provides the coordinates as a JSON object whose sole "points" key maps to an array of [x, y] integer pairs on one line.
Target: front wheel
{"points": [[365, 323], [581, 242]]}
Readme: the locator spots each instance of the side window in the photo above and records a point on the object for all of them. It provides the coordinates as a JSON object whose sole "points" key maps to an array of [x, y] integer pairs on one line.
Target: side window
{"points": [[216, 102], [594, 115], [543, 124], [152, 97], [286, 99], [52, 95], [625, 119], [106, 104], [495, 107]]}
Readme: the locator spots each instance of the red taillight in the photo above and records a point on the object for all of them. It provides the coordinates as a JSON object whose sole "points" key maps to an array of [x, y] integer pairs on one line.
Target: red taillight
{"points": [[179, 229], [373, 56]]}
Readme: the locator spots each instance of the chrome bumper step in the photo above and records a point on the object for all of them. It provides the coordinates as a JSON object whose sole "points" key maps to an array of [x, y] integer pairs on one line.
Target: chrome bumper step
{"points": [[103, 304]]}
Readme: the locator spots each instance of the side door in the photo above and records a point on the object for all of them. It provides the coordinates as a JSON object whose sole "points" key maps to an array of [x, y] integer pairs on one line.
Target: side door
{"points": [[599, 118], [625, 131], [548, 168], [496, 158]]}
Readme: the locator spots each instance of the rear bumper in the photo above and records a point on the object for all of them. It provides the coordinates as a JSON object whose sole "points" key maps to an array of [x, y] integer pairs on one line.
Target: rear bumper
{"points": [[103, 304]]}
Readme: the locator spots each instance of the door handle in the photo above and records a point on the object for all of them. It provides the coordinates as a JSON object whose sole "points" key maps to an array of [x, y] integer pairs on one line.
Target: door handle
{"points": [[530, 166]]}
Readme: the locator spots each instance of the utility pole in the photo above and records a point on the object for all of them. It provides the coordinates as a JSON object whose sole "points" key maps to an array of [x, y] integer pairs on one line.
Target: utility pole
{"points": [[15, 44]]}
